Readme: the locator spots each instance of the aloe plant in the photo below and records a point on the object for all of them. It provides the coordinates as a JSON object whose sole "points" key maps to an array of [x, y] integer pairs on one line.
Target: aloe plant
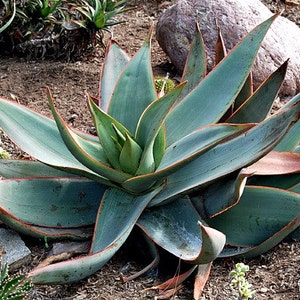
{"points": [[168, 164]]}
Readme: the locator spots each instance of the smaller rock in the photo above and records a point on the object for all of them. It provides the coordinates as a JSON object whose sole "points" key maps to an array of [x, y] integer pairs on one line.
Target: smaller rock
{"points": [[14, 251]]}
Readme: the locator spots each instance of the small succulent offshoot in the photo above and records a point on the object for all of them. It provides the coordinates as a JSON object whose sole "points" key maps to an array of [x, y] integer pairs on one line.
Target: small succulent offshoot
{"points": [[240, 283]]}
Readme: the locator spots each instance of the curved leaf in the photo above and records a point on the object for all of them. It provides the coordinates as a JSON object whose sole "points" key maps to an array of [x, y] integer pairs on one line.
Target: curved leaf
{"points": [[50, 207], [80, 233], [117, 214], [185, 150], [192, 145], [257, 107], [290, 231], [276, 163], [272, 215], [215, 94], [195, 65], [154, 115], [291, 139], [130, 155], [159, 146], [116, 217], [220, 195], [148, 128], [147, 162], [240, 152], [135, 87], [20, 168], [105, 126], [286, 181], [175, 227], [39, 137], [52, 202], [268, 210], [88, 153]]}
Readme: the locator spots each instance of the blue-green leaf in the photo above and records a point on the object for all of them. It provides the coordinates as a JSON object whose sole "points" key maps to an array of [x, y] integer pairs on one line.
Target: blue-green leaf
{"points": [[30, 204], [240, 152], [39, 137], [296, 188], [153, 117], [195, 65], [185, 150], [21, 168], [135, 87], [114, 63], [88, 153], [291, 139], [116, 217], [175, 227], [271, 215], [220, 195], [279, 181], [215, 94], [257, 107]]}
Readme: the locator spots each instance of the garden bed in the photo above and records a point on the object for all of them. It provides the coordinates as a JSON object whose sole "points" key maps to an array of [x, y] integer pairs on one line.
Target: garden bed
{"points": [[275, 275]]}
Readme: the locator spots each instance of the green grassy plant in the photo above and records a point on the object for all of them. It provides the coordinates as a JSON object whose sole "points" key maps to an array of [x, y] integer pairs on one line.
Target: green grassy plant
{"points": [[55, 28]]}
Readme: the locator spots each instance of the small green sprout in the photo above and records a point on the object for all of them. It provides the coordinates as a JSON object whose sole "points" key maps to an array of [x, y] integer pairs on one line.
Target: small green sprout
{"points": [[46, 242], [239, 282]]}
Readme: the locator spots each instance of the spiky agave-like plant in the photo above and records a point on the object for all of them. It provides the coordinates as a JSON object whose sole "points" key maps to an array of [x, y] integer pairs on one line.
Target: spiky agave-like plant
{"points": [[154, 162], [12, 287]]}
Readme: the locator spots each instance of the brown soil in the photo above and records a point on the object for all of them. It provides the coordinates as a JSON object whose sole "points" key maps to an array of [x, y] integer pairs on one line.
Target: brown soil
{"points": [[274, 275]]}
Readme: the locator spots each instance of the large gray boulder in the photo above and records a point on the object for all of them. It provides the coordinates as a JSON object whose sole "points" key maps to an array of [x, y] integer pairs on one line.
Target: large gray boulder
{"points": [[176, 26]]}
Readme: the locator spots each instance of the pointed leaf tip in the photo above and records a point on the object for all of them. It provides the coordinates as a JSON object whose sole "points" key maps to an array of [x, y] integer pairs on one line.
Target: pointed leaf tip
{"points": [[130, 155]]}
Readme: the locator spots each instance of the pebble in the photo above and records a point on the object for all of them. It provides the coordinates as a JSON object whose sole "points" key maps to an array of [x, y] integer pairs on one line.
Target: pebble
{"points": [[264, 290], [14, 251]]}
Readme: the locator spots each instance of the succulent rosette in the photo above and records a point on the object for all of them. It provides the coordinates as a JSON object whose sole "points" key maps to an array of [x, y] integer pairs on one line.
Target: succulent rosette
{"points": [[174, 165]]}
